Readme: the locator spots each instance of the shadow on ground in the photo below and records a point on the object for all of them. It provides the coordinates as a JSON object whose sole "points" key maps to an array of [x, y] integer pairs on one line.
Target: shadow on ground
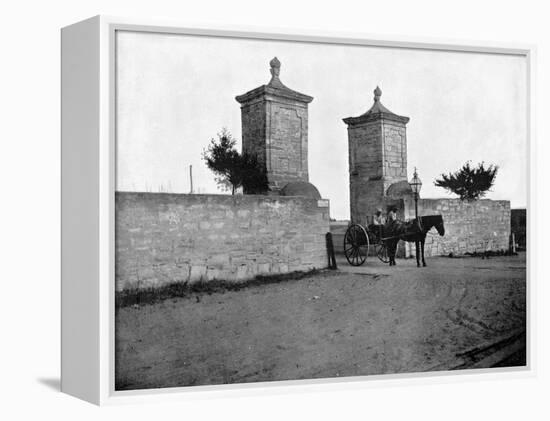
{"points": [[52, 383]]}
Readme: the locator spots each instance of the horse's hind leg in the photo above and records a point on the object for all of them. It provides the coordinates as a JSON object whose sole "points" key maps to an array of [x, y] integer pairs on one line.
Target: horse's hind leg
{"points": [[391, 253], [417, 245], [422, 245]]}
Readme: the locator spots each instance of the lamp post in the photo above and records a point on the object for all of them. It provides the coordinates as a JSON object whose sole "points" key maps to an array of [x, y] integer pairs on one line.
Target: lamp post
{"points": [[416, 185]]}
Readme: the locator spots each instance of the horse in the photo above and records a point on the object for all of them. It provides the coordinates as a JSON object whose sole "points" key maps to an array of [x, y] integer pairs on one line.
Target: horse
{"points": [[412, 232]]}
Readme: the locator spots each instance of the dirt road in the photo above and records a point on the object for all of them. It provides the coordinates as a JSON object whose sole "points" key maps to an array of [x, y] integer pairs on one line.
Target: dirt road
{"points": [[355, 321]]}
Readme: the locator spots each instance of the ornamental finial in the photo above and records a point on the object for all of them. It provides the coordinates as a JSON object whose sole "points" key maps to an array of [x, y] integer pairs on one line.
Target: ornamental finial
{"points": [[275, 67], [377, 94]]}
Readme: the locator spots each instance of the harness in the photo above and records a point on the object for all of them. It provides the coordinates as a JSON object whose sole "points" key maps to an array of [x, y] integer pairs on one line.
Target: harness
{"points": [[403, 229]]}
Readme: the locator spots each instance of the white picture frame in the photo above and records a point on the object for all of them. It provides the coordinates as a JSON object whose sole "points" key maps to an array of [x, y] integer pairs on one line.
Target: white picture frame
{"points": [[88, 184]]}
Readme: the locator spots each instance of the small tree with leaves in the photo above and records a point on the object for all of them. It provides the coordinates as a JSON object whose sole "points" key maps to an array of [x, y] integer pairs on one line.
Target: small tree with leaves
{"points": [[469, 183], [254, 176], [232, 169]]}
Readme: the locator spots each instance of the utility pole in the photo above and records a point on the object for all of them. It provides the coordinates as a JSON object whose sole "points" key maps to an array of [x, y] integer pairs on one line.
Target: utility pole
{"points": [[191, 177]]}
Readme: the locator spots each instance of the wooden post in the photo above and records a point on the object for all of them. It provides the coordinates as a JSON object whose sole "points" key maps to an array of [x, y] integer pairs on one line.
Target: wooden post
{"points": [[330, 252], [191, 177]]}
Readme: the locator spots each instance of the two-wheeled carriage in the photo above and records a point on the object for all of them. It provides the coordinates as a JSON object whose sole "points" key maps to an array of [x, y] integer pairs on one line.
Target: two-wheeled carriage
{"points": [[382, 240], [359, 240]]}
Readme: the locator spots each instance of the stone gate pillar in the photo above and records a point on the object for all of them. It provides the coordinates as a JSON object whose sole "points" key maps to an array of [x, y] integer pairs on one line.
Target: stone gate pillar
{"points": [[274, 128], [377, 143]]}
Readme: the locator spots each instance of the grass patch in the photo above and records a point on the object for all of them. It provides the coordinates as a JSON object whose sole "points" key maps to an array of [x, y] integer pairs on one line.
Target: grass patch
{"points": [[484, 254], [154, 295]]}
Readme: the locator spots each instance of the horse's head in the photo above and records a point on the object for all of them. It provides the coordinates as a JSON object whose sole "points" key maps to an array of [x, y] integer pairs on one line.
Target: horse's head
{"points": [[433, 221], [439, 226]]}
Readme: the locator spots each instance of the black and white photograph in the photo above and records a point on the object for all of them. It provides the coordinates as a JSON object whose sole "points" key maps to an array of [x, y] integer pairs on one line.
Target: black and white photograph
{"points": [[283, 210], [289, 210]]}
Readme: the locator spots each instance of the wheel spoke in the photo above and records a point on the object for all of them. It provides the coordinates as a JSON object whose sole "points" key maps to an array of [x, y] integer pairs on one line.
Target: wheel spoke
{"points": [[357, 255], [356, 245]]}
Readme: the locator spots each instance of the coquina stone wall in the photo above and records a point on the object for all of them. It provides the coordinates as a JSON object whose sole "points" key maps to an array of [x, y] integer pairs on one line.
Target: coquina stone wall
{"points": [[164, 238], [476, 226]]}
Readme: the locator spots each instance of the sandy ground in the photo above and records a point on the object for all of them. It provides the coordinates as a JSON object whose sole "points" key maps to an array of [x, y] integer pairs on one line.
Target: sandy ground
{"points": [[355, 321]]}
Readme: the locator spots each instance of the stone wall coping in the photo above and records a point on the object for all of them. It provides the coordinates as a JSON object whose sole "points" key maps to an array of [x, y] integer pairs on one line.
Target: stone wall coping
{"points": [[456, 199], [274, 91], [340, 223], [370, 117], [275, 100], [219, 197]]}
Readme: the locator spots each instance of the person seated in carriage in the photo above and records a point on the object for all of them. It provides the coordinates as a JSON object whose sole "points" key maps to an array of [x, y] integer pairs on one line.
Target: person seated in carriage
{"points": [[378, 218], [393, 226], [396, 227], [392, 216], [378, 222]]}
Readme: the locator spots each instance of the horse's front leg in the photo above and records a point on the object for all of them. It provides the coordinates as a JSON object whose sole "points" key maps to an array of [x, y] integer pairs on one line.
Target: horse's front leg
{"points": [[392, 249], [422, 246], [417, 246]]}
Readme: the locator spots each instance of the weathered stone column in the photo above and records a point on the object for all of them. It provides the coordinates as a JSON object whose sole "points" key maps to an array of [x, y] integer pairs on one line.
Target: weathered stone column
{"points": [[274, 128], [377, 143]]}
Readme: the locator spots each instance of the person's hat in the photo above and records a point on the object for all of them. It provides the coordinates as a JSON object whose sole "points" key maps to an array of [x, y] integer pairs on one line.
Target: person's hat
{"points": [[378, 210]]}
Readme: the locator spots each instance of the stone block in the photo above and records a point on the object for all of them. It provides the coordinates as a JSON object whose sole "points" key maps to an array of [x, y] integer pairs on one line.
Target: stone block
{"points": [[197, 273], [243, 213], [219, 260], [264, 268], [212, 274], [204, 225], [242, 272]]}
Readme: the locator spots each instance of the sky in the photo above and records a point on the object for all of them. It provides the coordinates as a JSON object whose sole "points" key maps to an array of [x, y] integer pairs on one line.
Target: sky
{"points": [[176, 92]]}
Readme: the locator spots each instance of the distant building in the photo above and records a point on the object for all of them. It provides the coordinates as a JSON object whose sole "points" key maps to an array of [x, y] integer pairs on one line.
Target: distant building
{"points": [[519, 227]]}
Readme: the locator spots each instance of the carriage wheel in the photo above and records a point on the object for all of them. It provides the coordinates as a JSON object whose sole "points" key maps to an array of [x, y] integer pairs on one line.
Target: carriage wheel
{"points": [[356, 245], [382, 252]]}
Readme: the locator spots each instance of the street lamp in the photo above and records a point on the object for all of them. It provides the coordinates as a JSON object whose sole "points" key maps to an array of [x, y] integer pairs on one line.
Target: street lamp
{"points": [[416, 185]]}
